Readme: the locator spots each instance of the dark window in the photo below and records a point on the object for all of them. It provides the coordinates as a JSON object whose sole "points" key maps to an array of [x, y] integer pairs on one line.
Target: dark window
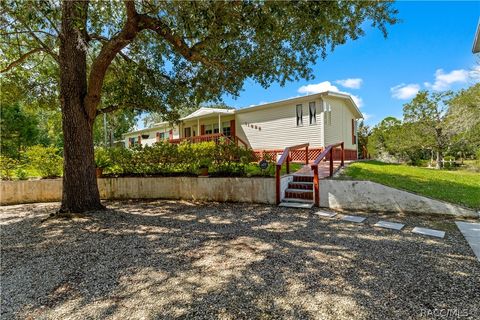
{"points": [[226, 131], [313, 113], [299, 110]]}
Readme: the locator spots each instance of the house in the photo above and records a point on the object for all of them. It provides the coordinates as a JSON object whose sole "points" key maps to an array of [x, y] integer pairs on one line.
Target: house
{"points": [[319, 119]]}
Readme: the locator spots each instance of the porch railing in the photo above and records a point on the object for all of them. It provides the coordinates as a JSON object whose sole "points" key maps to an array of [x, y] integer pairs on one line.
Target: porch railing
{"points": [[204, 138], [285, 158], [327, 152]]}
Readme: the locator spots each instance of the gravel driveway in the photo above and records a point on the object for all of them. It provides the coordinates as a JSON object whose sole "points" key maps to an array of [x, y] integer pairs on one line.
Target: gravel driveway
{"points": [[171, 259]]}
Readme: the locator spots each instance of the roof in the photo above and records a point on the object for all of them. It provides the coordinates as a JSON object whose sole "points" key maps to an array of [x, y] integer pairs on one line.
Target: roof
{"points": [[476, 40], [340, 95], [203, 111]]}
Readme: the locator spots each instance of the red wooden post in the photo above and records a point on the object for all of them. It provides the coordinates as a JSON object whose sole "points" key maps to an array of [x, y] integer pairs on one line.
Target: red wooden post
{"points": [[316, 185], [331, 162], [343, 155], [306, 155], [288, 162], [277, 182]]}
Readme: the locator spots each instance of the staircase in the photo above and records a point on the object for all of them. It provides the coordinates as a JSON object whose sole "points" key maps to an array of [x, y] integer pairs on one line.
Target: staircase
{"points": [[299, 193]]}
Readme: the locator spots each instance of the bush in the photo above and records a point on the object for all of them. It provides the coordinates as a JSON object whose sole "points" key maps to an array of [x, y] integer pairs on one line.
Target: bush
{"points": [[7, 167], [164, 158], [45, 160], [102, 158]]}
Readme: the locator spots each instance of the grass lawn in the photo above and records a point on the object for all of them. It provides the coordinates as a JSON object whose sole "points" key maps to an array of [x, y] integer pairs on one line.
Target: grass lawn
{"points": [[458, 186]]}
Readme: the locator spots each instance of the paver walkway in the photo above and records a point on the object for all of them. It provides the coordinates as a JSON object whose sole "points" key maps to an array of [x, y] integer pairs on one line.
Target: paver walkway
{"points": [[471, 232]]}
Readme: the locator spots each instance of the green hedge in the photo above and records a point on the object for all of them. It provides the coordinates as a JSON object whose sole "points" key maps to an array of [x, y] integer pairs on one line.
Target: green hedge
{"points": [[163, 158]]}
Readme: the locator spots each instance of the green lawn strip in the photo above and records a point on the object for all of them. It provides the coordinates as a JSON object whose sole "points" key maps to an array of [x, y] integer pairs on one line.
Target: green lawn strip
{"points": [[456, 186]]}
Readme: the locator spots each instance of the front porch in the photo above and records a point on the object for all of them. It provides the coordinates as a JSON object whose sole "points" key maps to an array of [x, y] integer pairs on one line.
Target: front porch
{"points": [[208, 124]]}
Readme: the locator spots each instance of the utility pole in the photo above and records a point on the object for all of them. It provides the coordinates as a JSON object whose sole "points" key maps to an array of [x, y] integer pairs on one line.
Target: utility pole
{"points": [[105, 129]]}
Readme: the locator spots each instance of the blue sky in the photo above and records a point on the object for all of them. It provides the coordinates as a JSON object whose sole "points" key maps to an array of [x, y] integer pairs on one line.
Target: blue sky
{"points": [[431, 48]]}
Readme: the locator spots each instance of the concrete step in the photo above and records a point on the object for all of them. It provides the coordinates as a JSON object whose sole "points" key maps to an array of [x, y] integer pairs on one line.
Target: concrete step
{"points": [[297, 200], [302, 205]]}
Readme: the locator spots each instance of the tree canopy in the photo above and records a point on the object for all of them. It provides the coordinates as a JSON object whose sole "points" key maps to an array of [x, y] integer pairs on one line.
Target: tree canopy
{"points": [[102, 56], [163, 54]]}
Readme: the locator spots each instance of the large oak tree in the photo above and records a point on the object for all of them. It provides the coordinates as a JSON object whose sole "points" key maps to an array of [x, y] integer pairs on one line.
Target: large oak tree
{"points": [[157, 55]]}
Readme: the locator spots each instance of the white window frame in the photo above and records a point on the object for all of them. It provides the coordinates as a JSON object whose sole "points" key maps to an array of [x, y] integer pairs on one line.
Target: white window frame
{"points": [[299, 117], [312, 112]]}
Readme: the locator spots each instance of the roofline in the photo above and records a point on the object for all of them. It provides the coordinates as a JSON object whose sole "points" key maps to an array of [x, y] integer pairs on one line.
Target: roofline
{"points": [[476, 40], [259, 107], [155, 126], [314, 95]]}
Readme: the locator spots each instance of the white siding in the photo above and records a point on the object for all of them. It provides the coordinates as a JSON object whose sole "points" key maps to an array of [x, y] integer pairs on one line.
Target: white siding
{"points": [[341, 127], [277, 128], [152, 132]]}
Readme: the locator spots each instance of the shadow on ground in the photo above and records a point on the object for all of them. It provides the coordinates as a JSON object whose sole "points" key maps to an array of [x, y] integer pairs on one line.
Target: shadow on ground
{"points": [[167, 259]]}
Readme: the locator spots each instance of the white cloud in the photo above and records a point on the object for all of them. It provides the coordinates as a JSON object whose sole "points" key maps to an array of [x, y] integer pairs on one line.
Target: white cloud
{"points": [[353, 83], [405, 91], [443, 80], [327, 86], [317, 88], [367, 116]]}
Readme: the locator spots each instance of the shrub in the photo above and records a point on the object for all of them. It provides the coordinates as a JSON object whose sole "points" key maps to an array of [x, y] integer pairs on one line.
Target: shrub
{"points": [[45, 160], [164, 158], [102, 158], [21, 174], [7, 167]]}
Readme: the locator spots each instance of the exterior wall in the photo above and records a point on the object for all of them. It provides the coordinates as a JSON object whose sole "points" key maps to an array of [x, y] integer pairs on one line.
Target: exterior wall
{"points": [[277, 127], [340, 128], [152, 132], [258, 190]]}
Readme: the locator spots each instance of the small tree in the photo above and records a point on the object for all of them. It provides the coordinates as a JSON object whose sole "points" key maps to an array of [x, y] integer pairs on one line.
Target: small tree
{"points": [[427, 115]]}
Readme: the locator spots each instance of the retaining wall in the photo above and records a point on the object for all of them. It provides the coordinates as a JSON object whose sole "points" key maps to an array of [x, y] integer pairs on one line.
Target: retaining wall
{"points": [[334, 194], [259, 190]]}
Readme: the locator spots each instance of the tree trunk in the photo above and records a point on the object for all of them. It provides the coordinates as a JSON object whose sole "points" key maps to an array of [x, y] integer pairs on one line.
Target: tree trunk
{"points": [[80, 189], [439, 160]]}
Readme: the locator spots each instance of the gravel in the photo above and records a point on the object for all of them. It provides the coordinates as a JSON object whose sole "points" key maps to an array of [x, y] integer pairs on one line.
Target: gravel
{"points": [[175, 259]]}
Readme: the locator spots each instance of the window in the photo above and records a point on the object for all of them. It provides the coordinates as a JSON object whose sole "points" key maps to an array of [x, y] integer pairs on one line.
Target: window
{"points": [[327, 114], [208, 129], [226, 130], [215, 128], [187, 132], [299, 110], [163, 135], [313, 112]]}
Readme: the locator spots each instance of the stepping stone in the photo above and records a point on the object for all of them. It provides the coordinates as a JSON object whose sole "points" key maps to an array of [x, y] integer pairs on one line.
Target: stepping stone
{"points": [[389, 225], [325, 214], [429, 232], [355, 219], [471, 232]]}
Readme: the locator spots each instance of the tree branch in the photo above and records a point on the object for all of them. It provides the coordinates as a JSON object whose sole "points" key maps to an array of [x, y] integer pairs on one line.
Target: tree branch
{"points": [[192, 54], [108, 52], [21, 59], [108, 109]]}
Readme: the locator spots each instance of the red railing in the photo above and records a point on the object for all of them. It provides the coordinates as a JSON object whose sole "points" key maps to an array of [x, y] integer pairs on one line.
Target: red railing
{"points": [[327, 152], [286, 158], [204, 138]]}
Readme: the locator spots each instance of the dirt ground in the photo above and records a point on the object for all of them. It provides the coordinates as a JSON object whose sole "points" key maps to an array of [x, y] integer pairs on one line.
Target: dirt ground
{"points": [[173, 259]]}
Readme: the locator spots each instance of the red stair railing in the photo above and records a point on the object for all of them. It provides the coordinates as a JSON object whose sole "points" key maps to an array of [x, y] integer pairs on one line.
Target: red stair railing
{"points": [[286, 158], [328, 151]]}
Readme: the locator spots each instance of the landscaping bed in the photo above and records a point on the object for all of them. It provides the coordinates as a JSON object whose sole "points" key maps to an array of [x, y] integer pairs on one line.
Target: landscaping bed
{"points": [[455, 186], [169, 259]]}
